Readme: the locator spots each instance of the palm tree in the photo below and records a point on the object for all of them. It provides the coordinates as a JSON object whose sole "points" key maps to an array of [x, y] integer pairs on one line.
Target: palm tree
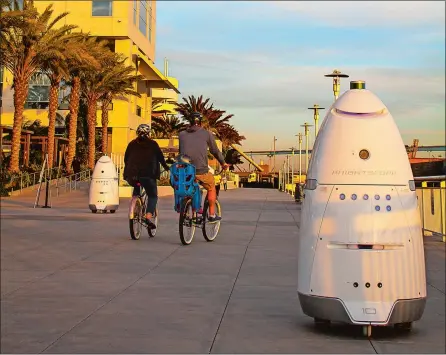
{"points": [[167, 126], [24, 47], [76, 65], [118, 82], [92, 89], [163, 123], [213, 119], [57, 70], [229, 136], [79, 65], [192, 104]]}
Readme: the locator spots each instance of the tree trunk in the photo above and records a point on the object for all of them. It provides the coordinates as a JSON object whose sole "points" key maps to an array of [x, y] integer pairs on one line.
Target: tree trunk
{"points": [[92, 102], [20, 94], [105, 104], [72, 133], [53, 104]]}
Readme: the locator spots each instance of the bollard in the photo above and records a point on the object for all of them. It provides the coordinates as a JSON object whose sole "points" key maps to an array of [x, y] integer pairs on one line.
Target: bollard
{"points": [[298, 193], [47, 193]]}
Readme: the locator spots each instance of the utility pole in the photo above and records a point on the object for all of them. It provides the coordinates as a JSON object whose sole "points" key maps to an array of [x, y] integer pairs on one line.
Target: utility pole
{"points": [[300, 156], [316, 109], [336, 75], [307, 131]]}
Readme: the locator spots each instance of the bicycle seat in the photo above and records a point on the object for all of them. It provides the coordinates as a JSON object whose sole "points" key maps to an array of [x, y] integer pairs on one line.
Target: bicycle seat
{"points": [[182, 179]]}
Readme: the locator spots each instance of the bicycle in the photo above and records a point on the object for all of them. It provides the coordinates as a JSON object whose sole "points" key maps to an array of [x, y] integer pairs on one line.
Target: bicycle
{"points": [[189, 204], [137, 208]]}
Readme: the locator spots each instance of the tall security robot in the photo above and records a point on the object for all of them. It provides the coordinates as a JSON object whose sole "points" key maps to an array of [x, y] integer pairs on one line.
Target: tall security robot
{"points": [[104, 187], [361, 256]]}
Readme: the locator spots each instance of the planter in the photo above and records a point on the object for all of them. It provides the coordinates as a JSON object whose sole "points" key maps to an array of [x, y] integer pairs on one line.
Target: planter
{"points": [[165, 191], [125, 191]]}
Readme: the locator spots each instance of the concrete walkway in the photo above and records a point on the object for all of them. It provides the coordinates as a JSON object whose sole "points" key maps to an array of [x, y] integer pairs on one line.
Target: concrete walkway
{"points": [[74, 282]]}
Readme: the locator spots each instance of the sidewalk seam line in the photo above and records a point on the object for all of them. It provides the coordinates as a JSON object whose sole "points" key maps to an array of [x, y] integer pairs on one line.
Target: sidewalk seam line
{"points": [[30, 282], [111, 299], [236, 278]]}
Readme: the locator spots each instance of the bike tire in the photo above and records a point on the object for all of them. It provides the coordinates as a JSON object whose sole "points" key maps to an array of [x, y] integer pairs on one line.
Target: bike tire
{"points": [[210, 235], [186, 206], [152, 232], [135, 223]]}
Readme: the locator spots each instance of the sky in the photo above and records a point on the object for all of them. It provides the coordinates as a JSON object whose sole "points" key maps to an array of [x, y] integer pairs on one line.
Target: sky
{"points": [[264, 61]]}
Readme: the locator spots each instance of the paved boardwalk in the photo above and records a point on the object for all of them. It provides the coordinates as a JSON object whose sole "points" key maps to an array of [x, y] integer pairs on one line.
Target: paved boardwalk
{"points": [[73, 282]]}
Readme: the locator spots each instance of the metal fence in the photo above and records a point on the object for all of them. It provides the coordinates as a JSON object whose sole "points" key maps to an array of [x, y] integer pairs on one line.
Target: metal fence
{"points": [[71, 182], [31, 180], [432, 205]]}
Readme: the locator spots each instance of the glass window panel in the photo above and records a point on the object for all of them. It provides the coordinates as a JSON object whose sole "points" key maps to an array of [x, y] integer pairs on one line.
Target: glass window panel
{"points": [[102, 7], [135, 11], [143, 17]]}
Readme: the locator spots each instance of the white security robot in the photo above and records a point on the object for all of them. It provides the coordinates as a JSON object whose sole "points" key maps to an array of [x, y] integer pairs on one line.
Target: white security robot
{"points": [[104, 187], [361, 256]]}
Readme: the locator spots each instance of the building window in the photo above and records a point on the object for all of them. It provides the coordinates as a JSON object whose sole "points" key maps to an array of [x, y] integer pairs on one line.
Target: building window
{"points": [[138, 111], [102, 7], [11, 4], [135, 11], [39, 92], [150, 20], [143, 17]]}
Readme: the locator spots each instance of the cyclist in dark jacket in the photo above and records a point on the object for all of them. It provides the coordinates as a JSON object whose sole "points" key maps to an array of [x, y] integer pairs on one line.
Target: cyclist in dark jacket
{"points": [[142, 161]]}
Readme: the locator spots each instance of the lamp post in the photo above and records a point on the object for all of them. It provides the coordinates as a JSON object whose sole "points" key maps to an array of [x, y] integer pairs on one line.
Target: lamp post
{"points": [[300, 157], [292, 165], [307, 131], [274, 149], [316, 109], [287, 169], [336, 75]]}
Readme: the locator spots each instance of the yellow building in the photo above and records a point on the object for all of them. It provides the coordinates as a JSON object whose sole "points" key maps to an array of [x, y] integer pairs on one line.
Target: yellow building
{"points": [[168, 96], [130, 27]]}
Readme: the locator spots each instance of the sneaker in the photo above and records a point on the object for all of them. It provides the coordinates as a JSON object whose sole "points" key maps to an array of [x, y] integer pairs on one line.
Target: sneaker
{"points": [[149, 223], [214, 219], [197, 220]]}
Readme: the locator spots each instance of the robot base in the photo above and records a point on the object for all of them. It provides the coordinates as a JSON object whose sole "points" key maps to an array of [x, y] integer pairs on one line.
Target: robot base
{"points": [[326, 309], [111, 208]]}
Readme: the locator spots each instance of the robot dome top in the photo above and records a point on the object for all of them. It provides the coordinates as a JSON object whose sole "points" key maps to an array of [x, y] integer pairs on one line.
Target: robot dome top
{"points": [[358, 100], [104, 159]]}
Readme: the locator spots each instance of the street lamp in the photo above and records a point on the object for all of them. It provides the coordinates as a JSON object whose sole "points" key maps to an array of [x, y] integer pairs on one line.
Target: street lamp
{"points": [[307, 130], [300, 156], [292, 165], [336, 75], [274, 157], [287, 172], [316, 109]]}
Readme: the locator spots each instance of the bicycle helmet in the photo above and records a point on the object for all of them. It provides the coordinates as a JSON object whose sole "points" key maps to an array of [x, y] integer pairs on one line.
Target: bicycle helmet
{"points": [[196, 118], [183, 158], [143, 130]]}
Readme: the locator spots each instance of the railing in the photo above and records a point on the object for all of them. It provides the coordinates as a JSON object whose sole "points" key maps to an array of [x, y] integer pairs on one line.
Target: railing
{"points": [[118, 160], [432, 205], [70, 182], [31, 180]]}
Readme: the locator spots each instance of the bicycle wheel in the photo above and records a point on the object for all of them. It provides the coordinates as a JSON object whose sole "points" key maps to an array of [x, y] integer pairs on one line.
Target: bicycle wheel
{"points": [[152, 232], [135, 224], [211, 229], [186, 225]]}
